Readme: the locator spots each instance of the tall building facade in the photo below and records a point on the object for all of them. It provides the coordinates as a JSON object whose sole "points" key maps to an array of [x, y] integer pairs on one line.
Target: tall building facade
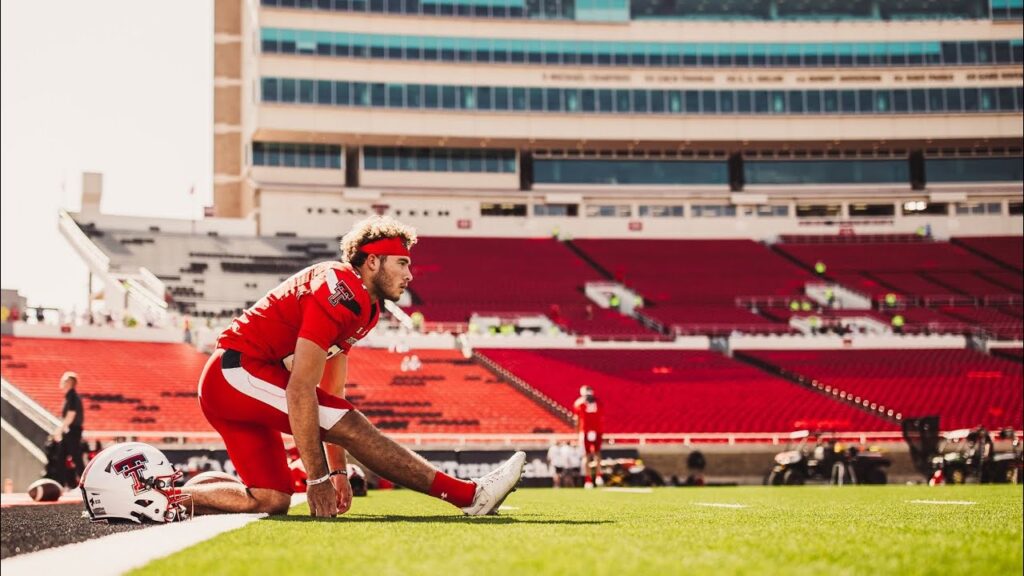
{"points": [[622, 117]]}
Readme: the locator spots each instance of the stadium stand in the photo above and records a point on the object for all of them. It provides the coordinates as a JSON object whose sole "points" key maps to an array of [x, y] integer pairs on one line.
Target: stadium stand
{"points": [[448, 394], [940, 286], [135, 386], [146, 387], [900, 267], [1007, 250], [455, 277], [965, 388], [693, 284], [658, 391], [210, 275]]}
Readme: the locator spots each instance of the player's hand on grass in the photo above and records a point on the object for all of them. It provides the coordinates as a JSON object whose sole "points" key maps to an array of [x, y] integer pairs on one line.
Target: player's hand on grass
{"points": [[323, 500], [344, 490]]}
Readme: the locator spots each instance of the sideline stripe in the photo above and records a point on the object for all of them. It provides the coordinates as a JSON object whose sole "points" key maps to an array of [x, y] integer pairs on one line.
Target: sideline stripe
{"points": [[720, 505], [118, 553], [948, 502]]}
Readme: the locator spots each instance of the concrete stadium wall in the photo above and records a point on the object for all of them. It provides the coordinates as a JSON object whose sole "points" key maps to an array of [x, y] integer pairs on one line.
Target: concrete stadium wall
{"points": [[750, 463]]}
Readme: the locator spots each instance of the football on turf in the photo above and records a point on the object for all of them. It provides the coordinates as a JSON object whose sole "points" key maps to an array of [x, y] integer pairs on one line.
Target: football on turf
{"points": [[45, 490]]}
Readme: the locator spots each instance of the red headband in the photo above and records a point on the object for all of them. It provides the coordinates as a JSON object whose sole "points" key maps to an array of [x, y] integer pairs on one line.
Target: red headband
{"points": [[385, 247]]}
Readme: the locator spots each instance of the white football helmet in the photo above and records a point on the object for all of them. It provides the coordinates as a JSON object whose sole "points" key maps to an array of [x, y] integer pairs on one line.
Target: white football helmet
{"points": [[133, 481]]}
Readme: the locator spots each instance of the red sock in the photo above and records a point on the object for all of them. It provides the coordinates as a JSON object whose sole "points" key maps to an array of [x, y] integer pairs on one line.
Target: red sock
{"points": [[458, 492], [589, 480]]}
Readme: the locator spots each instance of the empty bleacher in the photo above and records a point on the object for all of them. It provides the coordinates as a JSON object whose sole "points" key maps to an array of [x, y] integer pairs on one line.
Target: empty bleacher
{"points": [[672, 391], [448, 394], [904, 268], [455, 277], [693, 284], [146, 387], [965, 388], [940, 286], [135, 386], [1007, 250]]}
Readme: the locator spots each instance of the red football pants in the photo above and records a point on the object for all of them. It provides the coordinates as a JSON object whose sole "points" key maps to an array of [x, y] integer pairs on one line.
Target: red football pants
{"points": [[244, 399]]}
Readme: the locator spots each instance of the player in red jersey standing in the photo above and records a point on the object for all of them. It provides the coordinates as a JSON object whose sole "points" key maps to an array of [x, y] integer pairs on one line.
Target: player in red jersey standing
{"points": [[588, 421], [281, 367]]}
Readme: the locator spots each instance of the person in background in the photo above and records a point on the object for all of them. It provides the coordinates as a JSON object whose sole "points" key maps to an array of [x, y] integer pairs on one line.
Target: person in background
{"points": [[69, 431], [588, 421]]}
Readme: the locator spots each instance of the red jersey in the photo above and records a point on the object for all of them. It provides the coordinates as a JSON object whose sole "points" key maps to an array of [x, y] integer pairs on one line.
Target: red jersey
{"points": [[588, 415], [326, 303]]}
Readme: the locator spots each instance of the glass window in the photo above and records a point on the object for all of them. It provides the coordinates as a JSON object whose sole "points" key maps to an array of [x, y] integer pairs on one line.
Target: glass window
{"points": [[825, 171], [954, 100], [812, 99], [818, 210], [287, 90], [268, 89], [918, 101], [993, 169], [324, 92], [857, 209], [626, 172], [712, 210], [396, 95]]}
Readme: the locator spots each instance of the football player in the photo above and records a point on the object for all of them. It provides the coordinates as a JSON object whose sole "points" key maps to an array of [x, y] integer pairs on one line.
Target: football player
{"points": [[281, 367], [588, 421]]}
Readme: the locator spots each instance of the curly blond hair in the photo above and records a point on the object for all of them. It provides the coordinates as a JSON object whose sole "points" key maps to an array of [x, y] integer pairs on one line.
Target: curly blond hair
{"points": [[371, 229]]}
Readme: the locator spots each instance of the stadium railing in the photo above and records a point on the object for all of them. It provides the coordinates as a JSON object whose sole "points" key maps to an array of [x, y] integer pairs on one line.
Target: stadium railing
{"points": [[514, 440]]}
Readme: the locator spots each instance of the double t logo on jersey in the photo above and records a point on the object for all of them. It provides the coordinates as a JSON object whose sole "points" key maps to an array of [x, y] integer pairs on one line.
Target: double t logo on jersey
{"points": [[341, 292], [132, 467]]}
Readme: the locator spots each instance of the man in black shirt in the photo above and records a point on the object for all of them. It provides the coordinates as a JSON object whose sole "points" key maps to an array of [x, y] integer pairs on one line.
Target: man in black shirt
{"points": [[69, 433]]}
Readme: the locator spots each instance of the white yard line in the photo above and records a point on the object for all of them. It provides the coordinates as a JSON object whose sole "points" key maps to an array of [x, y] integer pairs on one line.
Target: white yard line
{"points": [[720, 505], [629, 490], [119, 553], [947, 502]]}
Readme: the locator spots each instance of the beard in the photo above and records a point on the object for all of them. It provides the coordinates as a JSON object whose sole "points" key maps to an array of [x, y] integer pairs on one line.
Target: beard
{"points": [[382, 284]]}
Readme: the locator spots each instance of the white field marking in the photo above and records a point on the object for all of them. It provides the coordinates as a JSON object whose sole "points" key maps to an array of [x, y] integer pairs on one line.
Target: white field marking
{"points": [[947, 502], [720, 505], [503, 507], [629, 490], [119, 553]]}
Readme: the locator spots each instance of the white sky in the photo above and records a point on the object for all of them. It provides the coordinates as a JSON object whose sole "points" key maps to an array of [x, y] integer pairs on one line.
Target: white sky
{"points": [[122, 87]]}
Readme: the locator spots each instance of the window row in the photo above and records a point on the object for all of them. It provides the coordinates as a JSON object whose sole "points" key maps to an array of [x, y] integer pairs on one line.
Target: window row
{"points": [[630, 172], [775, 172], [728, 10], [571, 53], [438, 159], [609, 101], [855, 210], [296, 155]]}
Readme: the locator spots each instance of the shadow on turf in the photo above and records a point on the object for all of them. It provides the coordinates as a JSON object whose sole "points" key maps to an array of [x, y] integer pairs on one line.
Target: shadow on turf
{"points": [[488, 520]]}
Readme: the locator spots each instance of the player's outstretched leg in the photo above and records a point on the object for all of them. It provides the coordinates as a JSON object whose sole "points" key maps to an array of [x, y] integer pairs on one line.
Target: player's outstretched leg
{"points": [[218, 493], [400, 465]]}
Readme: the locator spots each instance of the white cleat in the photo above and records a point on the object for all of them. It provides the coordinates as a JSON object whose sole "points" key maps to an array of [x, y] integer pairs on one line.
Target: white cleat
{"points": [[493, 488]]}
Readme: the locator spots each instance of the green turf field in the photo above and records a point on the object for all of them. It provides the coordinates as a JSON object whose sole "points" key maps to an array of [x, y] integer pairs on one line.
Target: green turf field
{"points": [[784, 530]]}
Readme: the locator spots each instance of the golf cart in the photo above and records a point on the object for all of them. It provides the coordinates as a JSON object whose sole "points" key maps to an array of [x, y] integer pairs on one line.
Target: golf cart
{"points": [[963, 455], [828, 460]]}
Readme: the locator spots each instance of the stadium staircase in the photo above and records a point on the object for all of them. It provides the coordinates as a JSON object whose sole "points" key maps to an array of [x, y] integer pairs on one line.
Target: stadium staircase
{"points": [[448, 395], [964, 387]]}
